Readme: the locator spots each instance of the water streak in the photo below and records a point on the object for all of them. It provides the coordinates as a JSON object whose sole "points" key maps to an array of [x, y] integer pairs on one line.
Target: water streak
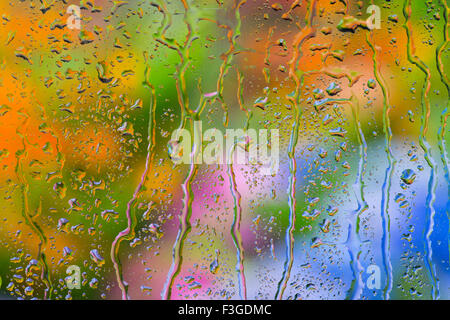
{"points": [[129, 232], [186, 115], [29, 219], [446, 112], [235, 229], [237, 209]]}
